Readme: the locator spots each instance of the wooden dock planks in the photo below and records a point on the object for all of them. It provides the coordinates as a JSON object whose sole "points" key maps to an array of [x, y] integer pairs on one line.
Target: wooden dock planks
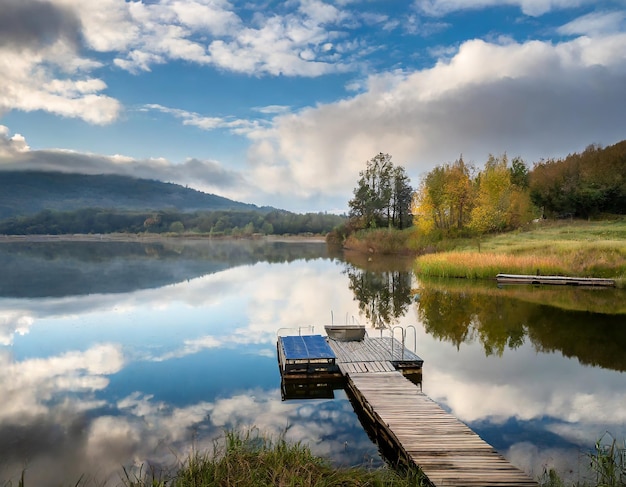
{"points": [[384, 349], [554, 280], [448, 451]]}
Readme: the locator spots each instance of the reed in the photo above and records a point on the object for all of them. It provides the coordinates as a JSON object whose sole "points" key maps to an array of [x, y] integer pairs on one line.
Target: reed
{"points": [[485, 265], [589, 249], [380, 241], [252, 459]]}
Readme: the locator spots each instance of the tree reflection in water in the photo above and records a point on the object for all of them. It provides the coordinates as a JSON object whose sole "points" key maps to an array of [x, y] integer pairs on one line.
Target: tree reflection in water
{"points": [[505, 318], [382, 288]]}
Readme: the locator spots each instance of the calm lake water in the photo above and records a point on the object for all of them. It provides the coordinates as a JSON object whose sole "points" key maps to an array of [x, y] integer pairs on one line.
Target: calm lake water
{"points": [[118, 355]]}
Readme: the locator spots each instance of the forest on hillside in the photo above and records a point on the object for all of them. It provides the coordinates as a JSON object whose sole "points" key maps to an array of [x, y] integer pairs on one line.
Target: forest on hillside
{"points": [[459, 199], [214, 223], [30, 192]]}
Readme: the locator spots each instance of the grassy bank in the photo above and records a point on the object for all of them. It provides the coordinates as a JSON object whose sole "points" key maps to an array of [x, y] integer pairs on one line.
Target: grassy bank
{"points": [[385, 241], [586, 249], [250, 459]]}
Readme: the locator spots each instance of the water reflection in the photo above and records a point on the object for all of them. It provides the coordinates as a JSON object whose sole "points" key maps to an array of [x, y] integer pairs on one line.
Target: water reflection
{"points": [[94, 382], [503, 319], [382, 287], [96, 375], [508, 363], [55, 269]]}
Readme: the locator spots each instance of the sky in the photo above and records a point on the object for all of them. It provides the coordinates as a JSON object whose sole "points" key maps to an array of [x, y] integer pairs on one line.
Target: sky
{"points": [[282, 103]]}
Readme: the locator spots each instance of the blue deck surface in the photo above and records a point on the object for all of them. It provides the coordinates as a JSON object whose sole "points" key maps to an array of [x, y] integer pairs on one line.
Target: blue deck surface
{"points": [[306, 347]]}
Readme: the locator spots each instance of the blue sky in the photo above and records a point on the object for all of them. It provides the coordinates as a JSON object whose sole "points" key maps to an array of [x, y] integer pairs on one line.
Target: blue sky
{"points": [[282, 103]]}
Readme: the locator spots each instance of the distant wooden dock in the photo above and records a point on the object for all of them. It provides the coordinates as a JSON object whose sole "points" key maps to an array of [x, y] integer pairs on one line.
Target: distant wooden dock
{"points": [[447, 451], [554, 280]]}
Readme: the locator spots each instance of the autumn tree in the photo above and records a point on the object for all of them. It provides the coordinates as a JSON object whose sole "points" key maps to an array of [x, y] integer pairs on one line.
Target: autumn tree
{"points": [[383, 195], [502, 198], [451, 199], [444, 200], [582, 185]]}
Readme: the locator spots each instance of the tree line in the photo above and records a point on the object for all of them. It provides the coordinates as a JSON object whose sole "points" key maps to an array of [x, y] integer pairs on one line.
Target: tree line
{"points": [[458, 199], [214, 223], [582, 185]]}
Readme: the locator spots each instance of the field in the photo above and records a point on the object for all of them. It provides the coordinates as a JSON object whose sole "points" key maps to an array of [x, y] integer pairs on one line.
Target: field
{"points": [[572, 248]]}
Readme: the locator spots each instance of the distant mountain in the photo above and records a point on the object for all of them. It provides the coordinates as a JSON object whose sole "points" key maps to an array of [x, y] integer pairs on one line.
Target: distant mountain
{"points": [[29, 192]]}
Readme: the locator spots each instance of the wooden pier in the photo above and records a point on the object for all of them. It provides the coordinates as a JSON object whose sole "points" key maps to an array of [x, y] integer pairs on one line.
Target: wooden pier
{"points": [[554, 280], [447, 451]]}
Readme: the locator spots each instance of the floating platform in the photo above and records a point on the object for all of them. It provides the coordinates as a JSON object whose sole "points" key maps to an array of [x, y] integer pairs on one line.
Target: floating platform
{"points": [[554, 280], [306, 357], [384, 354], [309, 388]]}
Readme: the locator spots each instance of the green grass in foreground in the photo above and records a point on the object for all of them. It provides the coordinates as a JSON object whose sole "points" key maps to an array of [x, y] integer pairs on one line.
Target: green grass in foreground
{"points": [[249, 459], [253, 460], [585, 249]]}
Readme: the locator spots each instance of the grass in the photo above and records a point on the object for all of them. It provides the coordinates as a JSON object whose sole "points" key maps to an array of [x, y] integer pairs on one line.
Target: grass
{"points": [[250, 459], [606, 464], [585, 249], [386, 241]]}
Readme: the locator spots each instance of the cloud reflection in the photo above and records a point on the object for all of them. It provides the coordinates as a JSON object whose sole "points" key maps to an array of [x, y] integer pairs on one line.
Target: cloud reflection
{"points": [[64, 414], [30, 385]]}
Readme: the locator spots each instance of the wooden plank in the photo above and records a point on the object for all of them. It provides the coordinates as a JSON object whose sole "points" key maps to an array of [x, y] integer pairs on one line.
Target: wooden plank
{"points": [[556, 280], [448, 451]]}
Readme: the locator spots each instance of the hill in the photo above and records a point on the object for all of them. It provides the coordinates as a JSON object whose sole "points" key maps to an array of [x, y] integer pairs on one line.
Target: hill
{"points": [[25, 193]]}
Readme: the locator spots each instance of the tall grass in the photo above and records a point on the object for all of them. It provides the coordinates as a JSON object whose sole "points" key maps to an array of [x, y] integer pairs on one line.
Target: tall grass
{"points": [[474, 265], [607, 463], [380, 241], [596, 249], [250, 459]]}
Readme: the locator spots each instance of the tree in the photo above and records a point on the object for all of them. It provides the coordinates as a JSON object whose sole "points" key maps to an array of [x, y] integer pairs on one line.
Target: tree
{"points": [[382, 196], [493, 192], [502, 197], [445, 198], [177, 227]]}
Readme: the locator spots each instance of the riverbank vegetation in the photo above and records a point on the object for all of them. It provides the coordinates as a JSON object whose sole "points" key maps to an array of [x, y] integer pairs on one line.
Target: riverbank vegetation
{"points": [[457, 201], [251, 459], [568, 248], [247, 459]]}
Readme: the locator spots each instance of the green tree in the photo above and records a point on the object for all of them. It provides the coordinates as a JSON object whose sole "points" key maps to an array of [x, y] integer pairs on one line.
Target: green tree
{"points": [[383, 195], [177, 227]]}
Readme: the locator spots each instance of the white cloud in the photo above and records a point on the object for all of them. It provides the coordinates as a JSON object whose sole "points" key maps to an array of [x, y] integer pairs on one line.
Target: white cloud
{"points": [[13, 322], [487, 98], [203, 175], [33, 82], [211, 32], [237, 126], [41, 68], [596, 23], [529, 7]]}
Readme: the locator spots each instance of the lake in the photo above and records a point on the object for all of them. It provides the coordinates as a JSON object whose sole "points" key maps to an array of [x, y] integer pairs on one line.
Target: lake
{"points": [[129, 355]]}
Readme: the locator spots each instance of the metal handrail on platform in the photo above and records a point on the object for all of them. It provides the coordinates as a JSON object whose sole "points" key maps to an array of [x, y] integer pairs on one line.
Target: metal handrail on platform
{"points": [[403, 341], [292, 331]]}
